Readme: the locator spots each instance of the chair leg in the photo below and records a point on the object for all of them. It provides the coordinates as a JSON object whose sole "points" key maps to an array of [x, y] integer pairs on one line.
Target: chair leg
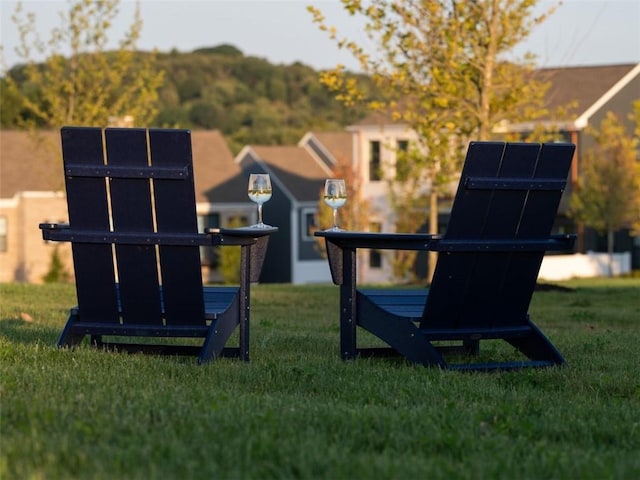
{"points": [[472, 347], [537, 346], [219, 332], [400, 333], [68, 338]]}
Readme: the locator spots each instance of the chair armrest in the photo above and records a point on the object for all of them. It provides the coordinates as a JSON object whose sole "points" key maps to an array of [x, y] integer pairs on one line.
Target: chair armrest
{"points": [[342, 246], [52, 226], [381, 241], [241, 235], [50, 230], [62, 233], [553, 243]]}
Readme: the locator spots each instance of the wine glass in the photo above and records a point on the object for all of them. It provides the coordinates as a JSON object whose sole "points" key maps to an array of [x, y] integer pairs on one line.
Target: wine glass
{"points": [[259, 192], [335, 195]]}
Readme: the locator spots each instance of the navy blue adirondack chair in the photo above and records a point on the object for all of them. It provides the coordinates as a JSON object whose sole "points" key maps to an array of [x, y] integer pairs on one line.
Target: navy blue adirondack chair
{"points": [[136, 248], [488, 263]]}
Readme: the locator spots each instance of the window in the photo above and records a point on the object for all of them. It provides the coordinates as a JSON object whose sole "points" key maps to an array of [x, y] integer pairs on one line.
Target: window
{"points": [[374, 160], [402, 160], [3, 234], [308, 223], [375, 257]]}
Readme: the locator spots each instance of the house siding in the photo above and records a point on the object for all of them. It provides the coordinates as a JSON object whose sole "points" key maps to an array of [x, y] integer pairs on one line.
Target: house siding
{"points": [[277, 264], [28, 256]]}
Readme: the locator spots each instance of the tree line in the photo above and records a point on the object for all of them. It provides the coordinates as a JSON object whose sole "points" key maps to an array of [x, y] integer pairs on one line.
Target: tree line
{"points": [[249, 99]]}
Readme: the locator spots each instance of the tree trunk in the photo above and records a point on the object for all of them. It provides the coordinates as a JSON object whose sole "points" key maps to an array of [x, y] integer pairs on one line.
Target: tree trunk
{"points": [[610, 240], [433, 228]]}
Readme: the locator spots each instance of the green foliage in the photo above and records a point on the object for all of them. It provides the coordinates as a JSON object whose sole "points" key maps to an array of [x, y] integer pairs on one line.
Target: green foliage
{"points": [[298, 411], [10, 103], [230, 265], [229, 256], [635, 117], [607, 195], [57, 272], [248, 99], [439, 67], [91, 86], [224, 49]]}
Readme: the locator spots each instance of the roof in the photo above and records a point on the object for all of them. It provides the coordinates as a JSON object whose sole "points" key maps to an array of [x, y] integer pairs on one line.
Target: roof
{"points": [[217, 176], [30, 162], [338, 144], [583, 86], [294, 166]]}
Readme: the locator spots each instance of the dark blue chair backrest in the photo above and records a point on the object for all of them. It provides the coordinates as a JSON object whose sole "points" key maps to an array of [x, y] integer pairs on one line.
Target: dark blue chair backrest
{"points": [[133, 181], [507, 192]]}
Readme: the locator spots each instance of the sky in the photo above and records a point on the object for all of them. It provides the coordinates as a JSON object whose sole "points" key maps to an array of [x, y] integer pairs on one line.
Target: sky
{"points": [[580, 32]]}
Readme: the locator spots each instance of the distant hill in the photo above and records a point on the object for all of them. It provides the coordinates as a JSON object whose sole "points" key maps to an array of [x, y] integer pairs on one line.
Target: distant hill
{"points": [[249, 99]]}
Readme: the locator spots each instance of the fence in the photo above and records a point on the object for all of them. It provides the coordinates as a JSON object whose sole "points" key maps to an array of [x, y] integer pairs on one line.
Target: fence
{"points": [[591, 264]]}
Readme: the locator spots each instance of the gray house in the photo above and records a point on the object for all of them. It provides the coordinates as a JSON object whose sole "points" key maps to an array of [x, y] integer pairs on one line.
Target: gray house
{"points": [[591, 92], [297, 179]]}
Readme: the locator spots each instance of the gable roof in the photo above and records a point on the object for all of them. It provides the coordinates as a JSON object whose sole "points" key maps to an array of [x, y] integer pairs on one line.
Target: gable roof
{"points": [[31, 162], [332, 147], [218, 178], [584, 86], [299, 174]]}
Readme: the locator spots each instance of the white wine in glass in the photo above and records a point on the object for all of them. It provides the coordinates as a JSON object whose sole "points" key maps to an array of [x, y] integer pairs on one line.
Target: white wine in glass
{"points": [[259, 192], [335, 196]]}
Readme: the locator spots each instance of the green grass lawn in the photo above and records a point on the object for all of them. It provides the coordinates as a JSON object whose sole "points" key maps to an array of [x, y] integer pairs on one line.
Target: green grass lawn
{"points": [[298, 411]]}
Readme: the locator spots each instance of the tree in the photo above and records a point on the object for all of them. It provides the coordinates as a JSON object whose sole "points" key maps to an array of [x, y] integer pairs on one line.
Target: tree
{"points": [[354, 215], [441, 68], [90, 86], [230, 257], [635, 117], [57, 272], [607, 191]]}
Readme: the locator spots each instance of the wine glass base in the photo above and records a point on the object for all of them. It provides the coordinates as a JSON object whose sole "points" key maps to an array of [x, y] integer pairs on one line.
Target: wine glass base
{"points": [[334, 229], [260, 225]]}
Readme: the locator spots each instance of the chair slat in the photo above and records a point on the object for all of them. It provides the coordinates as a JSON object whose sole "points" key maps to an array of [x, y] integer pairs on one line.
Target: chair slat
{"points": [[88, 209], [538, 216], [132, 211], [485, 304], [176, 212]]}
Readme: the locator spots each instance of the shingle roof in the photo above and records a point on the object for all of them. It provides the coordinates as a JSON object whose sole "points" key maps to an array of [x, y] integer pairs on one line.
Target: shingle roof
{"points": [[34, 163], [218, 177], [339, 144], [295, 168], [29, 162], [582, 85]]}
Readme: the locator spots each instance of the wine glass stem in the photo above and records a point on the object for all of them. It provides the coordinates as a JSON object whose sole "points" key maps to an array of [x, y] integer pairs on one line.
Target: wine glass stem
{"points": [[335, 218], [260, 213]]}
